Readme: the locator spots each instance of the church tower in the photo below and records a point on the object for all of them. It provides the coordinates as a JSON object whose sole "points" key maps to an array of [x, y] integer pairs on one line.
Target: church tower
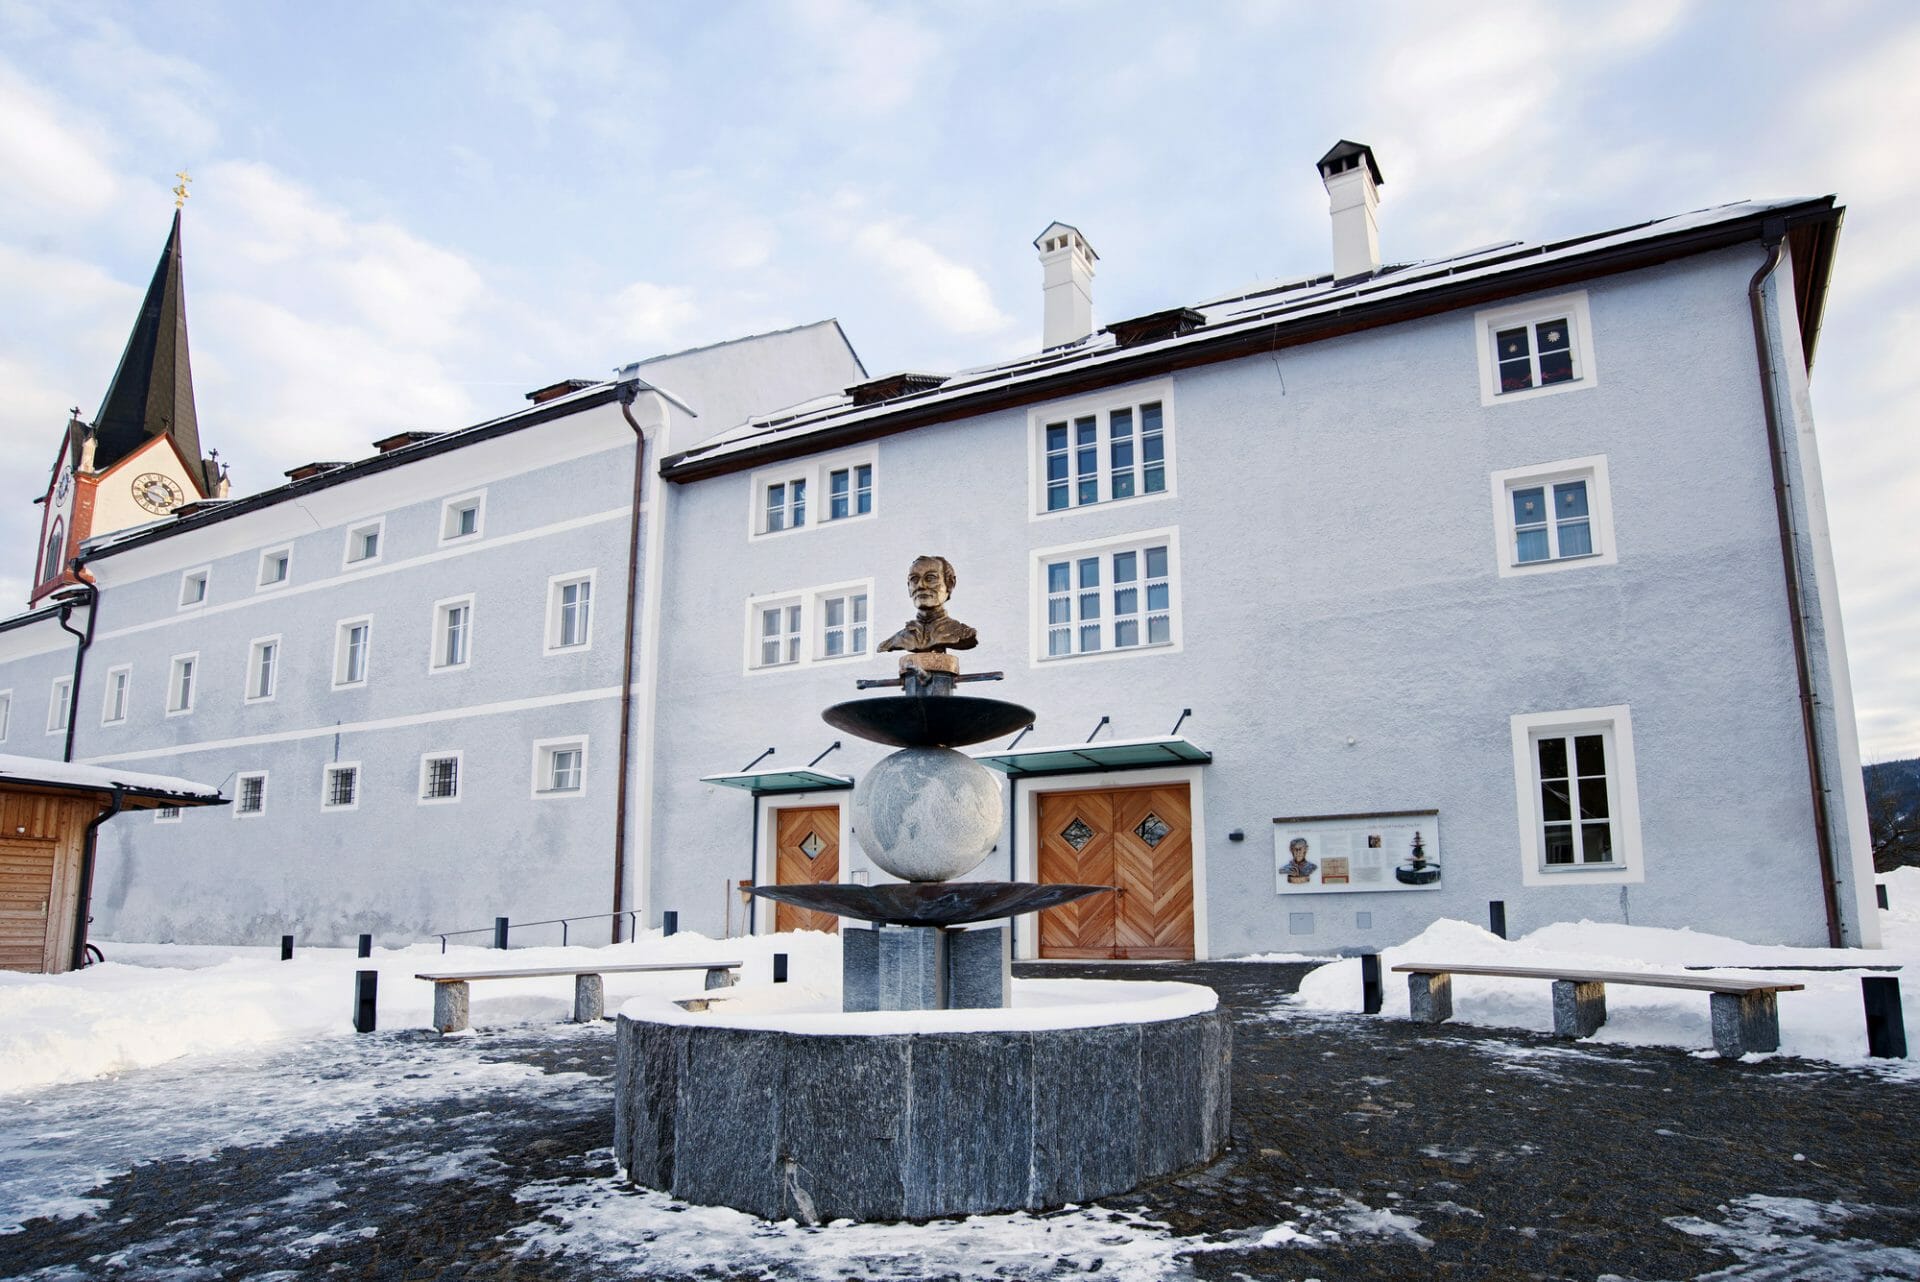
{"points": [[140, 458]]}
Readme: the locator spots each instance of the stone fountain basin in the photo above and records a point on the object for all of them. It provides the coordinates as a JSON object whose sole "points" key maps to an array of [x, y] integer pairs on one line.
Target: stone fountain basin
{"points": [[784, 1106]]}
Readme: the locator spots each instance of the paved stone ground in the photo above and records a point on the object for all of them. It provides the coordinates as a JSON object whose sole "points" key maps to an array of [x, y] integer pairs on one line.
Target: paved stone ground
{"points": [[1401, 1151]]}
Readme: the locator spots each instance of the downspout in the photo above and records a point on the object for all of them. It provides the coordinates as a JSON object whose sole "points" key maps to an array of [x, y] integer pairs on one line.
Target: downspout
{"points": [[81, 913], [627, 392], [1763, 348], [85, 640]]}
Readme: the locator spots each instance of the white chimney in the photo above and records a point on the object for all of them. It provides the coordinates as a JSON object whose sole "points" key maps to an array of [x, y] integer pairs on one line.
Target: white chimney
{"points": [[1353, 192], [1066, 261]]}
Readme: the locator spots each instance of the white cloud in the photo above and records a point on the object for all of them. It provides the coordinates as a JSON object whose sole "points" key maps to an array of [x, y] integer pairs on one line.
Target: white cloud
{"points": [[864, 59], [951, 295], [645, 313], [51, 166]]}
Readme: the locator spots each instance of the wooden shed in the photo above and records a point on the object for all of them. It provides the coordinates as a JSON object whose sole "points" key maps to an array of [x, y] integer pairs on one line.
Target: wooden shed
{"points": [[50, 814]]}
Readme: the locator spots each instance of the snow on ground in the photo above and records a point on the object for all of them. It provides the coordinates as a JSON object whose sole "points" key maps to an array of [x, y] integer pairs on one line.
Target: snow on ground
{"points": [[152, 1003], [1826, 1021]]}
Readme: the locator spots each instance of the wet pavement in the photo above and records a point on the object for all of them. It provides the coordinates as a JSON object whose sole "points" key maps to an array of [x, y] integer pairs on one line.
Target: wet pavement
{"points": [[1362, 1148]]}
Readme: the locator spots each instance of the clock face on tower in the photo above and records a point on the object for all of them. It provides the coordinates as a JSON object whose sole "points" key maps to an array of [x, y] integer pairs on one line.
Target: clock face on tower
{"points": [[157, 493], [63, 486]]}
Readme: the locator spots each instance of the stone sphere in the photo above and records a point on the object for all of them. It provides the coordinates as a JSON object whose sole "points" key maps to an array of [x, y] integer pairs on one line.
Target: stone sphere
{"points": [[927, 814]]}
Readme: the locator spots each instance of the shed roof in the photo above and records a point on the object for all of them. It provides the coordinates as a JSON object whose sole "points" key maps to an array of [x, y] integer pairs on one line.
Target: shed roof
{"points": [[135, 787]]}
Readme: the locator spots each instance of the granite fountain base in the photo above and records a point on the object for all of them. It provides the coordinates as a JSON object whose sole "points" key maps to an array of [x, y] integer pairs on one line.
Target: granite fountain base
{"points": [[926, 1114]]}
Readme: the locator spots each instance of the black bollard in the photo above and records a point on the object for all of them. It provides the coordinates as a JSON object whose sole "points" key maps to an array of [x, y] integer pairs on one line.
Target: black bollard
{"points": [[779, 968], [1886, 1025], [1497, 917], [669, 923], [366, 983], [366, 945], [286, 948], [1880, 893], [499, 932], [1370, 994]]}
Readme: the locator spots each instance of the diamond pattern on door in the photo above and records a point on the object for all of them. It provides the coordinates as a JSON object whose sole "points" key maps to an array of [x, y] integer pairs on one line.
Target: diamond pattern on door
{"points": [[806, 852], [1077, 834], [1138, 840], [812, 846]]}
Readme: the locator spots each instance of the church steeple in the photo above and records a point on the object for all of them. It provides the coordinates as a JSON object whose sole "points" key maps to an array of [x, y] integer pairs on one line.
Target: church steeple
{"points": [[152, 390]]}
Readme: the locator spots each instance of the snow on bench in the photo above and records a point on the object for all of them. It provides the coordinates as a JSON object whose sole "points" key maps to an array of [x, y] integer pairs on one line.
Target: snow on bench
{"points": [[1745, 1014], [589, 990]]}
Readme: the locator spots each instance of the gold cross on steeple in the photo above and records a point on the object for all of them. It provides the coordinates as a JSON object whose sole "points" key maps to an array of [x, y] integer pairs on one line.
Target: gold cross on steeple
{"points": [[180, 189]]}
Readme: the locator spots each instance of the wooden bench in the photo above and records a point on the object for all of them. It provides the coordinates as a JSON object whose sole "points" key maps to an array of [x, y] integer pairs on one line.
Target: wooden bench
{"points": [[589, 990], [1745, 1015]]}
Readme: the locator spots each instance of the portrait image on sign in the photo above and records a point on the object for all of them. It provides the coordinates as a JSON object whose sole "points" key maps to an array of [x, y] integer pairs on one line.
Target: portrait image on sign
{"points": [[1351, 853]]}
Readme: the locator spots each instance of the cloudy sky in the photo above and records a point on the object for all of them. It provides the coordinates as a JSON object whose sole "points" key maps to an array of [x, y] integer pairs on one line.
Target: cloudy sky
{"points": [[407, 214]]}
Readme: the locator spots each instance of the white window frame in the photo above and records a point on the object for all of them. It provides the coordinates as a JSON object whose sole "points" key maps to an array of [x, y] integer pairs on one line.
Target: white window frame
{"points": [[120, 677], [341, 629], [556, 586], [818, 627], [1615, 722], [253, 669], [6, 714], [811, 603], [543, 753], [477, 499], [166, 814], [267, 556], [239, 792], [204, 576], [327, 771], [1573, 307], [355, 534], [1037, 605], [817, 474], [59, 705], [459, 757], [1100, 407], [852, 468], [442, 610], [1593, 470], [175, 707]]}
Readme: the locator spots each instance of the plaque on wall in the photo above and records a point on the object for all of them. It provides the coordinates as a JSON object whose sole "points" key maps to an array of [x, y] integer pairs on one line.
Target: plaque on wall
{"points": [[1334, 854]]}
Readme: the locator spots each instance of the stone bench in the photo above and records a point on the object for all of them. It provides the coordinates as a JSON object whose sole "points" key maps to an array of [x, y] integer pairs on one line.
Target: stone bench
{"points": [[589, 990], [1745, 1015]]}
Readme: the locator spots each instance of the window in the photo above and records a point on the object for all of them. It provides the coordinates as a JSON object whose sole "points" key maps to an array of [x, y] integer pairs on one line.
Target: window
{"points": [[51, 564], [6, 713], [180, 682], [114, 707], [340, 786], [276, 565], [843, 625], [559, 767], [813, 493], [1554, 516], [193, 587], [363, 542], [1112, 598], [452, 634], [1535, 349], [462, 518], [352, 639], [569, 612], [440, 777], [849, 491], [1103, 451], [250, 795], [779, 634], [786, 505], [59, 705], [166, 814], [263, 669], [1578, 801]]}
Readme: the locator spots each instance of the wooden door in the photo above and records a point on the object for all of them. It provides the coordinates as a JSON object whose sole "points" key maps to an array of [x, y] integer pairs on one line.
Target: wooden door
{"points": [[806, 851], [1138, 840], [26, 895]]}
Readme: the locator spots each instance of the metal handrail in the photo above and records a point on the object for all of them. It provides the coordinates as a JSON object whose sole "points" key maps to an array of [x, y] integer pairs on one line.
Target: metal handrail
{"points": [[631, 914]]}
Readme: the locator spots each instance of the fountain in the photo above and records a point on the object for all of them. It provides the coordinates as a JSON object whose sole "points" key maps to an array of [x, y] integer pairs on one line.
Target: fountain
{"points": [[933, 1091]]}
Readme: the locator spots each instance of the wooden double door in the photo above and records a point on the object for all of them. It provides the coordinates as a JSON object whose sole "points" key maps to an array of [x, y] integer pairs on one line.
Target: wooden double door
{"points": [[806, 851], [1139, 840]]}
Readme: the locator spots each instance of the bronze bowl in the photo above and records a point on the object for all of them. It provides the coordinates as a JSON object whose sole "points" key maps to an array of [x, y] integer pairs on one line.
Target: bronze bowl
{"points": [[922, 721], [929, 903]]}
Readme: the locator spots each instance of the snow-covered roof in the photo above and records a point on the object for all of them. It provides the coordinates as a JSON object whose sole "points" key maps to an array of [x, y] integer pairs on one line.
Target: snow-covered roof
{"points": [[165, 789], [1300, 303]]}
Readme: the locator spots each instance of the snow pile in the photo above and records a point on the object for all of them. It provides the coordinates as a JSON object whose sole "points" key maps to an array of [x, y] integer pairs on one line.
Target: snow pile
{"points": [[151, 1003], [1825, 1021]]}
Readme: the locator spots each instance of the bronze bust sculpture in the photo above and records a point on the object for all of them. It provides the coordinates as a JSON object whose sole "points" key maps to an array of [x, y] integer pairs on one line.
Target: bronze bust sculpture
{"points": [[930, 581]]}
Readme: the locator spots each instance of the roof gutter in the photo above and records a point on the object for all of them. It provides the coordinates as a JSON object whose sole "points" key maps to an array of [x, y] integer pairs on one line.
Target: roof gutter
{"points": [[84, 902], [1767, 358], [1360, 311]]}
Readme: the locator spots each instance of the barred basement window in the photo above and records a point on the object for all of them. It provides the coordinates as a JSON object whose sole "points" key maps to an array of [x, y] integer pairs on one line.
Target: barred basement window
{"points": [[342, 787], [440, 777], [166, 814], [250, 795]]}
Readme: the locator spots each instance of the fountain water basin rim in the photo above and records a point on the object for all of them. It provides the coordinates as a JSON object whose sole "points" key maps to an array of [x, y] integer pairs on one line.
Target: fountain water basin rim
{"points": [[929, 903]]}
